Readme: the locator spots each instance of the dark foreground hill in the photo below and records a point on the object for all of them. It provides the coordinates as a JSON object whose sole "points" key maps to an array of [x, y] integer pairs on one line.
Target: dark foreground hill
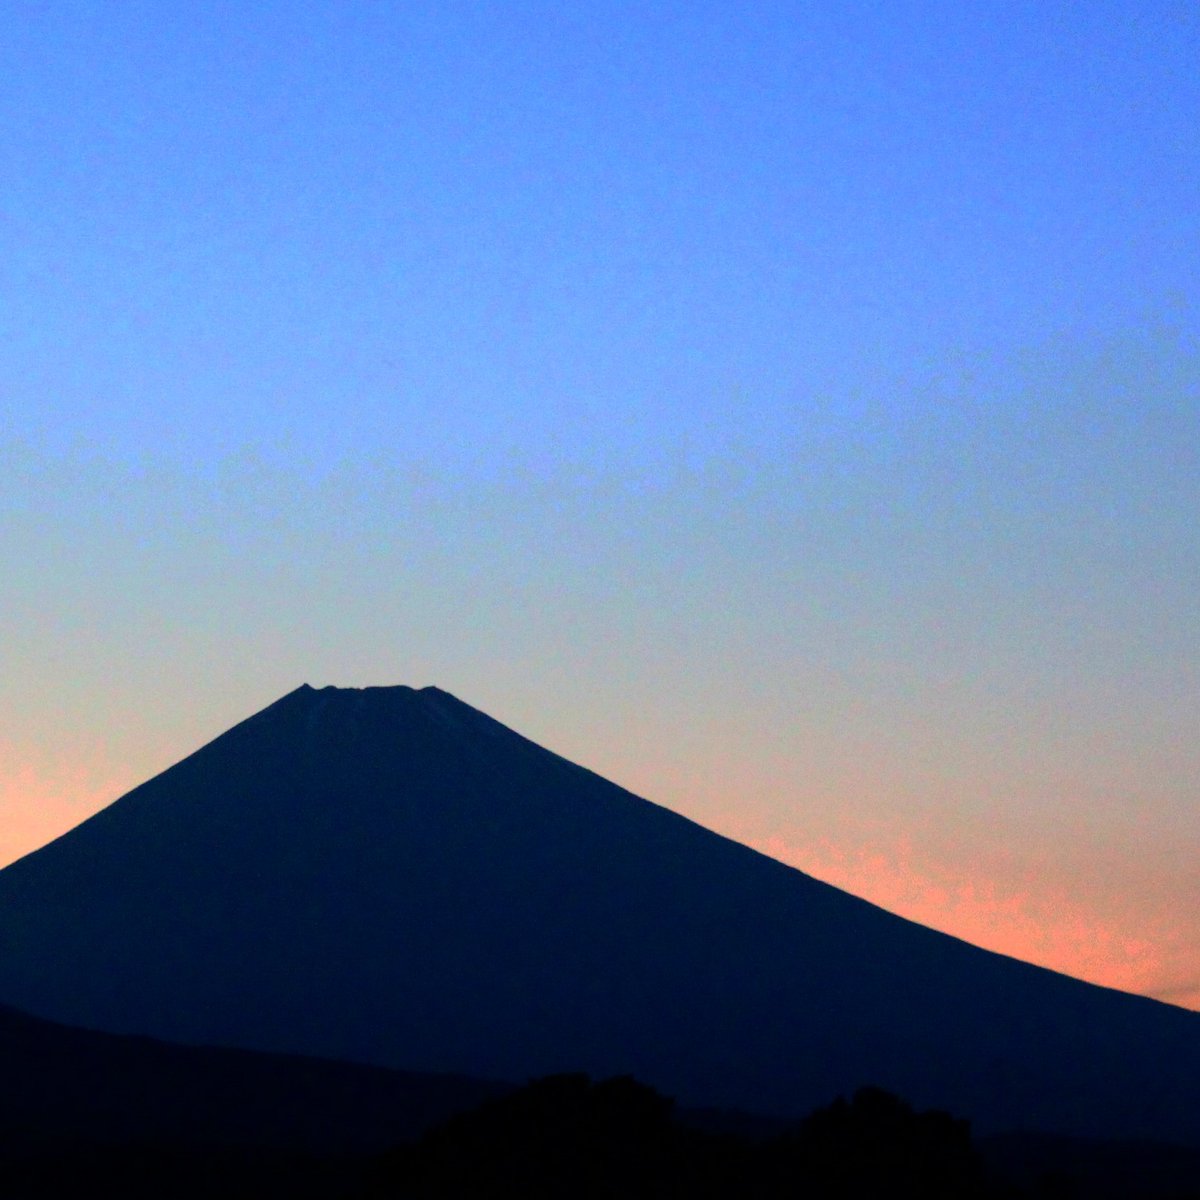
{"points": [[86, 1113], [60, 1085], [388, 876]]}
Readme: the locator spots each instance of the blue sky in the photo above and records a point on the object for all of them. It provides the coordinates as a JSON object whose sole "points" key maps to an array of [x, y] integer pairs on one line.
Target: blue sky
{"points": [[789, 410]]}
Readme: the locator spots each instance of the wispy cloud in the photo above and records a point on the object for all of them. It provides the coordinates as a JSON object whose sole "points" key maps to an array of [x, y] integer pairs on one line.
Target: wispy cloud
{"points": [[1187, 994], [1134, 950]]}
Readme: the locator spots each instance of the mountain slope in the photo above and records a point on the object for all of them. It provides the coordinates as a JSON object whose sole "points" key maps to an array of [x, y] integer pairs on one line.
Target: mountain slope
{"points": [[390, 876]]}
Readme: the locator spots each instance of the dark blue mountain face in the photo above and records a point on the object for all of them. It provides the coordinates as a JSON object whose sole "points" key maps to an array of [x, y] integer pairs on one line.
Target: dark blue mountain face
{"points": [[391, 877]]}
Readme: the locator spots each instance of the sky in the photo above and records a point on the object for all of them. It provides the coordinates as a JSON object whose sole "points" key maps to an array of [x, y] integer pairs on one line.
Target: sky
{"points": [[790, 411]]}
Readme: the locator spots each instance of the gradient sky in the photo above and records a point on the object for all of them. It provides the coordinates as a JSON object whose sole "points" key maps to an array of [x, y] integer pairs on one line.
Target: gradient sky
{"points": [[790, 411]]}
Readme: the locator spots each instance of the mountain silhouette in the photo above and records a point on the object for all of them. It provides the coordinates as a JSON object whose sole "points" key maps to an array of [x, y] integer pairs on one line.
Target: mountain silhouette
{"points": [[388, 876]]}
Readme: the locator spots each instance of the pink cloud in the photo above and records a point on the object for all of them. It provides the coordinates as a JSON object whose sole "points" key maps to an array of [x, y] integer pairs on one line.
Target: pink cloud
{"points": [[1147, 952]]}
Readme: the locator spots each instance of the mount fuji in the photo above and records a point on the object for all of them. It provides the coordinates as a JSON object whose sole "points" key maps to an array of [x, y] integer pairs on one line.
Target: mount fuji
{"points": [[391, 877]]}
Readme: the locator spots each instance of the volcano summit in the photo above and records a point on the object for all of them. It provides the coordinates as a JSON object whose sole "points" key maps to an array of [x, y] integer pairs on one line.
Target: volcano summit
{"points": [[389, 876]]}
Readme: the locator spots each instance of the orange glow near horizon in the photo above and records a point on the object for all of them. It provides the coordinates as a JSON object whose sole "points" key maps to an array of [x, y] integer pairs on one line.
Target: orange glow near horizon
{"points": [[40, 801], [1044, 926]]}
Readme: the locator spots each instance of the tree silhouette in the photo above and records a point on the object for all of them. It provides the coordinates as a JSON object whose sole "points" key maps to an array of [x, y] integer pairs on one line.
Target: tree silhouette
{"points": [[876, 1146], [560, 1136]]}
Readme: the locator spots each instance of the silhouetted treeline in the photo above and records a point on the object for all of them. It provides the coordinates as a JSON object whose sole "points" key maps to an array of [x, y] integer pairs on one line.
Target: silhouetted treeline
{"points": [[565, 1137]]}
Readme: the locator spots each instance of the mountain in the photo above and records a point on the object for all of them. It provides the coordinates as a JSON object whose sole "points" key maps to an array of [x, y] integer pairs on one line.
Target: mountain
{"points": [[388, 876]]}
